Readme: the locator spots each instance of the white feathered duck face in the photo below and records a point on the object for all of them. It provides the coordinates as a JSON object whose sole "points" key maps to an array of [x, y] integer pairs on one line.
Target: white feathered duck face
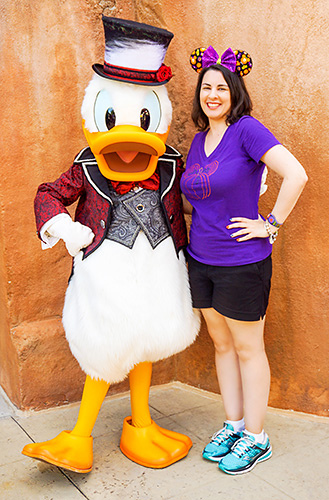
{"points": [[126, 126]]}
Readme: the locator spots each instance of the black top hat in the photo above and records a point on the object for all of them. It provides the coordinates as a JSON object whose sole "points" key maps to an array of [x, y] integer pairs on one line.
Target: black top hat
{"points": [[134, 52]]}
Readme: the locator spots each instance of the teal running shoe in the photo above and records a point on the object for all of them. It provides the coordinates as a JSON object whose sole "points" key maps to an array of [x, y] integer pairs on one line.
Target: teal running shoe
{"points": [[244, 455], [221, 443]]}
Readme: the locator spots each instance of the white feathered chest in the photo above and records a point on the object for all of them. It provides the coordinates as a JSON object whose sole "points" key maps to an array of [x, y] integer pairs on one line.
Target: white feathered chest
{"points": [[124, 306], [129, 301]]}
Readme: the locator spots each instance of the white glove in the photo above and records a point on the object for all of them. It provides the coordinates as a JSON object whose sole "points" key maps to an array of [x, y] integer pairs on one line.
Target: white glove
{"points": [[74, 234]]}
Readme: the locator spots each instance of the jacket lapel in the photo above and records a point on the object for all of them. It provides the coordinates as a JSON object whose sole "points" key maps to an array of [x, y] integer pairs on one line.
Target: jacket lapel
{"points": [[97, 180], [167, 171]]}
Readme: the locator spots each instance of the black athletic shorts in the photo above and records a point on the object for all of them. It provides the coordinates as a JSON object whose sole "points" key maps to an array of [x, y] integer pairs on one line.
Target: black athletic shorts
{"points": [[238, 292]]}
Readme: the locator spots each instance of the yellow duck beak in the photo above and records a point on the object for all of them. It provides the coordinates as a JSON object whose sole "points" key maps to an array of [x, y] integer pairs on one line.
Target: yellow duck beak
{"points": [[126, 152]]}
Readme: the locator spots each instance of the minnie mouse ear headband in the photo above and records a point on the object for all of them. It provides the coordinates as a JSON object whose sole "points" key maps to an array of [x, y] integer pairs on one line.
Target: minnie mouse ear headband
{"points": [[236, 61]]}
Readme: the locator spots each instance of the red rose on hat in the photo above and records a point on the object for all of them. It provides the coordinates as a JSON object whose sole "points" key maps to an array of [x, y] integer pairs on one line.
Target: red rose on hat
{"points": [[163, 73]]}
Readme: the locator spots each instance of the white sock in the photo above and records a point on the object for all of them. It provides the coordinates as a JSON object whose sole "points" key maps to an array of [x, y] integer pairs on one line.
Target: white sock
{"points": [[259, 438], [238, 425]]}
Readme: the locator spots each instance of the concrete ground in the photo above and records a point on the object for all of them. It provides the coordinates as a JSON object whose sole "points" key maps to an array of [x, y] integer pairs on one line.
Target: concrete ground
{"points": [[298, 470]]}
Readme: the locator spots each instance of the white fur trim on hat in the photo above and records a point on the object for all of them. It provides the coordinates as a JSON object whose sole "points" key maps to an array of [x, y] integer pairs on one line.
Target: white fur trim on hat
{"points": [[135, 55]]}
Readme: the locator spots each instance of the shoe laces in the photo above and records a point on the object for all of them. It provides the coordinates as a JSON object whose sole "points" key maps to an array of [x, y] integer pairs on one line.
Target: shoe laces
{"points": [[222, 435], [242, 446]]}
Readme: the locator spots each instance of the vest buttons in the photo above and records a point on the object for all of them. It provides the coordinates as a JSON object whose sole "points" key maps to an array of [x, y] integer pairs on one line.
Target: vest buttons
{"points": [[102, 223], [171, 218], [140, 208]]}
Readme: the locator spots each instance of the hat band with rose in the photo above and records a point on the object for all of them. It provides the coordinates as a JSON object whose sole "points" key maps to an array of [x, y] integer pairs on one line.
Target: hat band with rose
{"points": [[134, 52], [236, 61]]}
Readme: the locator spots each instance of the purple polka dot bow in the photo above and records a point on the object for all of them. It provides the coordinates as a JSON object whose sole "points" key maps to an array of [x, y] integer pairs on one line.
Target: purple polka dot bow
{"points": [[227, 59]]}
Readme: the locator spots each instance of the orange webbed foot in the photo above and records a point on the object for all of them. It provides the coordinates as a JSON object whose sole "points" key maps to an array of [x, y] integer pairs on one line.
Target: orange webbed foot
{"points": [[74, 453], [153, 446]]}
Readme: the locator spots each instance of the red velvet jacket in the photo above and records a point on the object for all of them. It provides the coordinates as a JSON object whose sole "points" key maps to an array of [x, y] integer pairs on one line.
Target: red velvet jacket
{"points": [[84, 182]]}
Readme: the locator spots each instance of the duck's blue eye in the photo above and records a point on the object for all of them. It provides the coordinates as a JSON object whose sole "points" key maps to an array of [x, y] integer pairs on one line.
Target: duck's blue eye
{"points": [[104, 113], [150, 114]]}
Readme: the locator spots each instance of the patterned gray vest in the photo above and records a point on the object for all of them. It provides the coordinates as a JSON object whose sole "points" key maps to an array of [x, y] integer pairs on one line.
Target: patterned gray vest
{"points": [[138, 210]]}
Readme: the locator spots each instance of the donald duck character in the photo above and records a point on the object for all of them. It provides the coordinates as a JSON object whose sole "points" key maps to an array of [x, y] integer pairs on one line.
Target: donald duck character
{"points": [[128, 300]]}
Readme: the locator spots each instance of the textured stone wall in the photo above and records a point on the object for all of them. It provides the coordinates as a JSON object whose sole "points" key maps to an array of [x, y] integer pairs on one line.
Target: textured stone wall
{"points": [[47, 49]]}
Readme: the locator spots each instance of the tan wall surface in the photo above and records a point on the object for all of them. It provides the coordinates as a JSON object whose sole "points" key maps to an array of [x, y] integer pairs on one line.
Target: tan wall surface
{"points": [[47, 49]]}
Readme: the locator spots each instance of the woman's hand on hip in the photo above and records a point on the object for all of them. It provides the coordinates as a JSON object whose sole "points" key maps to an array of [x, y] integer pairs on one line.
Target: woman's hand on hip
{"points": [[247, 228]]}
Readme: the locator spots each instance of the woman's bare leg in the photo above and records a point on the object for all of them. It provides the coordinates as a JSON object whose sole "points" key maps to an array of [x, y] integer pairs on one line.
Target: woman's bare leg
{"points": [[227, 364], [248, 337], [242, 367]]}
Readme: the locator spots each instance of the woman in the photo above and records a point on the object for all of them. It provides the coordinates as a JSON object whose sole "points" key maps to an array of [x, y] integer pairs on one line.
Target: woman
{"points": [[229, 254]]}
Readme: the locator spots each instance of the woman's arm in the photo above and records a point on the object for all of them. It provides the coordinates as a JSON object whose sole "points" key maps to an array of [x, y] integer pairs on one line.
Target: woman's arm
{"points": [[186, 206], [294, 176], [281, 161]]}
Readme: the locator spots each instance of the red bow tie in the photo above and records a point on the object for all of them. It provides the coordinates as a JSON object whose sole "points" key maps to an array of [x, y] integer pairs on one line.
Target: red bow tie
{"points": [[124, 187]]}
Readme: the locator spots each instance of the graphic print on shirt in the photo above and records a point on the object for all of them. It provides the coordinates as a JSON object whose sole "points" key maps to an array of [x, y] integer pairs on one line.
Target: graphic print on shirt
{"points": [[196, 180]]}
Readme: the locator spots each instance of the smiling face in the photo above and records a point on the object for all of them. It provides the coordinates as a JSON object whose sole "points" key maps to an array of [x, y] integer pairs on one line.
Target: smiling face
{"points": [[215, 96]]}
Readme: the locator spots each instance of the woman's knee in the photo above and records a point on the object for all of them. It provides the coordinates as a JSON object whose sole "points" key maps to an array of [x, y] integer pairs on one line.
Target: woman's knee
{"points": [[222, 340], [249, 352], [224, 347]]}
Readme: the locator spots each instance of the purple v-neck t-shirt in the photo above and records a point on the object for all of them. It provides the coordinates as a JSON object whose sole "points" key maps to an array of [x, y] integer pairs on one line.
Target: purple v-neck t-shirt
{"points": [[223, 185]]}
